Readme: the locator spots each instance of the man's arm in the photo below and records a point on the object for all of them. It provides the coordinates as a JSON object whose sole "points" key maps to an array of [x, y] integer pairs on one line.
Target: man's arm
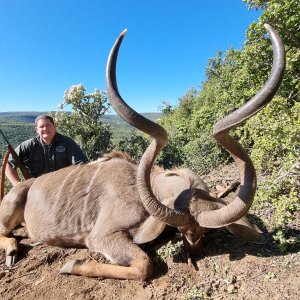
{"points": [[12, 175], [76, 154]]}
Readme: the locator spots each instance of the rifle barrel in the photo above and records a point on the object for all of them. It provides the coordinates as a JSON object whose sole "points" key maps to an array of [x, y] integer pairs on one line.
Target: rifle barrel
{"points": [[4, 137]]}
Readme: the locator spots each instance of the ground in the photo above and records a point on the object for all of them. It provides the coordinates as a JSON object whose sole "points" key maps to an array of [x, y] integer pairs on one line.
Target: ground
{"points": [[227, 268]]}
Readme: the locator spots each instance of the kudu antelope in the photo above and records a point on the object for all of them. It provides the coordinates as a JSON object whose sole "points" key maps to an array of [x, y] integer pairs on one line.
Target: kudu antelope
{"points": [[111, 205]]}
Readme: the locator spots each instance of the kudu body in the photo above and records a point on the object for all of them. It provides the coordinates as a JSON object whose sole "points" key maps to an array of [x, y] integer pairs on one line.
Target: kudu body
{"points": [[111, 205]]}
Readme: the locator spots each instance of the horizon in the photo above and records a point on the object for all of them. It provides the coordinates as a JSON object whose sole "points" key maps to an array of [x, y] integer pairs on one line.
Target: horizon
{"points": [[69, 111]]}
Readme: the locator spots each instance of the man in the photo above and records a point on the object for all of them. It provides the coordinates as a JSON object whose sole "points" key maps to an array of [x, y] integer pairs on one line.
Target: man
{"points": [[47, 152]]}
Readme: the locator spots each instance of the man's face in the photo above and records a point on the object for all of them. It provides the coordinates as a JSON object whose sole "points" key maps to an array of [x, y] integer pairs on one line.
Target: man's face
{"points": [[46, 130]]}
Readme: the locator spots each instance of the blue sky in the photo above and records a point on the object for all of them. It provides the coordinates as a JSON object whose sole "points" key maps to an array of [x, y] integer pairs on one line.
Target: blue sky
{"points": [[48, 45]]}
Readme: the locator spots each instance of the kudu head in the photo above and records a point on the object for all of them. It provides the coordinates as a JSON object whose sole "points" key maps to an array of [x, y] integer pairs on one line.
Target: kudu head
{"points": [[195, 210]]}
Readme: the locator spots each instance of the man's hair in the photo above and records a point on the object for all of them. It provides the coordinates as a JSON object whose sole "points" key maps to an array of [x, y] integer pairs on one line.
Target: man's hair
{"points": [[41, 117]]}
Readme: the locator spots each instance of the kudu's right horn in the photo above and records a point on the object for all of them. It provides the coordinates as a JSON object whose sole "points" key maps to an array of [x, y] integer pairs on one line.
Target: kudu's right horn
{"points": [[158, 133]]}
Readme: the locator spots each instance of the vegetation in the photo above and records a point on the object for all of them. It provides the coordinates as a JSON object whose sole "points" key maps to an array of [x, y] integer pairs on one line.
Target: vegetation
{"points": [[85, 124], [273, 136]]}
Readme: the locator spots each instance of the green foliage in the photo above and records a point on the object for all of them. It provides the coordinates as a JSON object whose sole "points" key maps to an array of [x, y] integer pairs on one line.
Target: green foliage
{"points": [[276, 136], [85, 124], [284, 240], [195, 292], [284, 14], [15, 133], [275, 132], [279, 192], [135, 145], [170, 156], [168, 250], [189, 144], [166, 107], [127, 138], [272, 137]]}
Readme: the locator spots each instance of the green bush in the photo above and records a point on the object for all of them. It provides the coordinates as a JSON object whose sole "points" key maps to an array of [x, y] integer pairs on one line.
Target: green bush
{"points": [[272, 137]]}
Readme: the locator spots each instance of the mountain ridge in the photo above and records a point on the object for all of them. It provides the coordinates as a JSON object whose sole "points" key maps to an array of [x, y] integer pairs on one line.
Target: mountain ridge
{"points": [[29, 117]]}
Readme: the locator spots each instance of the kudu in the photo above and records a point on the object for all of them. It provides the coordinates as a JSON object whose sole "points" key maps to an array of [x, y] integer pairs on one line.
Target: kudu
{"points": [[111, 205]]}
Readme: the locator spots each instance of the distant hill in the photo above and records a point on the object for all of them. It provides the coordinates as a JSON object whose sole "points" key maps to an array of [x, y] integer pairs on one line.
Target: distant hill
{"points": [[117, 122], [17, 117], [29, 117]]}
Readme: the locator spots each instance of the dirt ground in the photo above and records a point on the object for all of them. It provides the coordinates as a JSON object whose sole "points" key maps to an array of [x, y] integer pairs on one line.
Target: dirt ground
{"points": [[227, 268]]}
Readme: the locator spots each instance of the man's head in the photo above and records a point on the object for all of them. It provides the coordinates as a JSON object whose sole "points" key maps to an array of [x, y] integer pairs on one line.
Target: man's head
{"points": [[45, 128]]}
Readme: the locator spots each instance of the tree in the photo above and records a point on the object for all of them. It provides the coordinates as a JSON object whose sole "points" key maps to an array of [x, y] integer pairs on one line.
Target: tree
{"points": [[135, 145], [84, 123]]}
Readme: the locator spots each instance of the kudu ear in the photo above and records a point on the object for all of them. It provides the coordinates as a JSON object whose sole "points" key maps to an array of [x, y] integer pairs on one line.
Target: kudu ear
{"points": [[241, 228], [149, 231], [247, 231], [152, 227]]}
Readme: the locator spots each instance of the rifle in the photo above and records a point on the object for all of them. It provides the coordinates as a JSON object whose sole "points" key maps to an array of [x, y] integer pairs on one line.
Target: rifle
{"points": [[15, 156]]}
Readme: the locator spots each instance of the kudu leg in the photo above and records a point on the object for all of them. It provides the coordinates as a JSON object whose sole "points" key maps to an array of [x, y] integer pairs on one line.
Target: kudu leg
{"points": [[12, 214], [9, 213], [130, 261]]}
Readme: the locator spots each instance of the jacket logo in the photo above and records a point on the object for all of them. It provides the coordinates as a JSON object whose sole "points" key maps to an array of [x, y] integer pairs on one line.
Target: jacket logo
{"points": [[60, 149]]}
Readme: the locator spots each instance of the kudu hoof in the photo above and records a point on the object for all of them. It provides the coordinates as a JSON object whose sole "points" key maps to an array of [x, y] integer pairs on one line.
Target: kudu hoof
{"points": [[68, 267], [10, 260]]}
